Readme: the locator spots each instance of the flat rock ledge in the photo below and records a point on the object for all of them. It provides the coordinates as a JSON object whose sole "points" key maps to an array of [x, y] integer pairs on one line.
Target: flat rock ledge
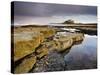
{"points": [[32, 46], [26, 43]]}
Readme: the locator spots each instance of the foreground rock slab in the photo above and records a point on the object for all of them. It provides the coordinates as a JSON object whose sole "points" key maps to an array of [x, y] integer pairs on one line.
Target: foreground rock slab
{"points": [[25, 43], [26, 65], [33, 44]]}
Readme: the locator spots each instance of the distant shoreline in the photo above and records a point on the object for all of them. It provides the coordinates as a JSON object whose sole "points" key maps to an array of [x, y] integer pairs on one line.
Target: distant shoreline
{"points": [[59, 25]]}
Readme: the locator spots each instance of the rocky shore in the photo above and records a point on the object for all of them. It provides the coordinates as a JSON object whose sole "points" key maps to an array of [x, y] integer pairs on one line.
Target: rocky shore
{"points": [[39, 49]]}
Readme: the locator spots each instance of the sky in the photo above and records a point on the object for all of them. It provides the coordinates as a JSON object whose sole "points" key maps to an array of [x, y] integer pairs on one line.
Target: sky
{"points": [[43, 13]]}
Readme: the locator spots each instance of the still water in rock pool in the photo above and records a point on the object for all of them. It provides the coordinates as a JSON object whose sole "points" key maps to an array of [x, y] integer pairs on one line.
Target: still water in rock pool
{"points": [[82, 56]]}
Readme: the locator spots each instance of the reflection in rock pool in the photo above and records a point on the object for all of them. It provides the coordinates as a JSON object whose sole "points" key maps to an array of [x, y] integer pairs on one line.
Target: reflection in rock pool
{"points": [[82, 56]]}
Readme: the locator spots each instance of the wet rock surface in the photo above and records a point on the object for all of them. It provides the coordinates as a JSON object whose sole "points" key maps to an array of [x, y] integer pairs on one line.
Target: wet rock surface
{"points": [[52, 62], [48, 50], [55, 62]]}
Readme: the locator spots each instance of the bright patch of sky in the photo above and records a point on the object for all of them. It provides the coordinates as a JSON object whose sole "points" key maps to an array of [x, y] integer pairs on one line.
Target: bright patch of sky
{"points": [[26, 20]]}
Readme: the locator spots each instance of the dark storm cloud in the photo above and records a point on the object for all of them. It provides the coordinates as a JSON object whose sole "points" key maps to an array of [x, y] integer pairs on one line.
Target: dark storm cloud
{"points": [[42, 9]]}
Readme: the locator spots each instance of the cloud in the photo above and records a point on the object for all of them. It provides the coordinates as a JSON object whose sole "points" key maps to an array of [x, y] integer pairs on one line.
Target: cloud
{"points": [[44, 13], [45, 9]]}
